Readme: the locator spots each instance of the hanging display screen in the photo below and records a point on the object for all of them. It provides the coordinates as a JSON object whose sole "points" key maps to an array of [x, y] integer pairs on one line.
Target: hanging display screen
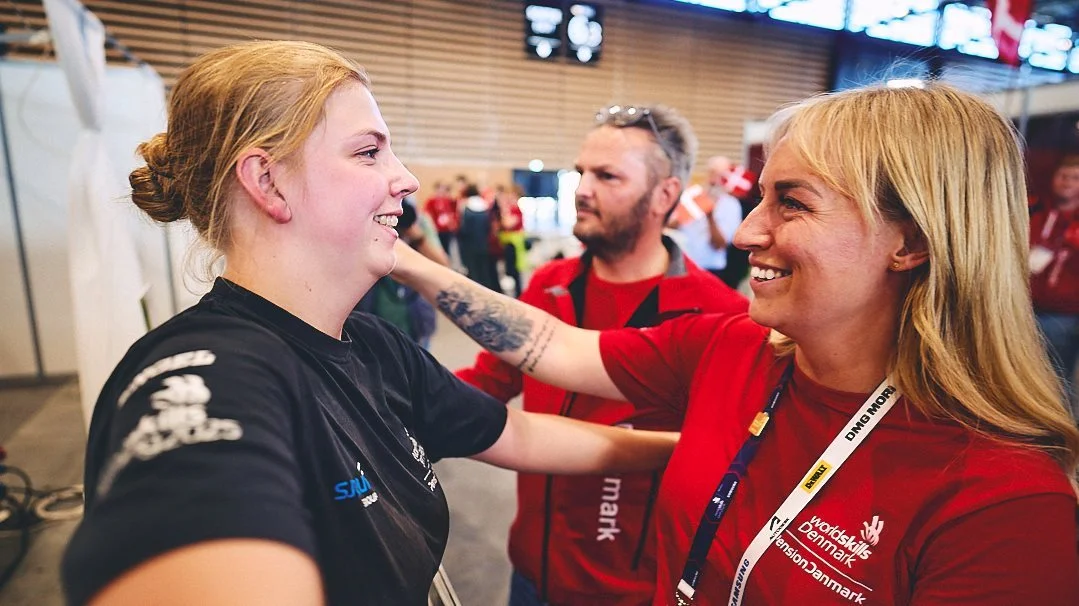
{"points": [[544, 27], [555, 29]]}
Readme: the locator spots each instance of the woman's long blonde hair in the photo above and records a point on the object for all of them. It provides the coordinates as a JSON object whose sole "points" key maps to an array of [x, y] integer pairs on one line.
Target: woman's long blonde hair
{"points": [[952, 166]]}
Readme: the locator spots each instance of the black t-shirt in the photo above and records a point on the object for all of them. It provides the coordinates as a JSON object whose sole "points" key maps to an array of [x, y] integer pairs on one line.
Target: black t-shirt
{"points": [[236, 419]]}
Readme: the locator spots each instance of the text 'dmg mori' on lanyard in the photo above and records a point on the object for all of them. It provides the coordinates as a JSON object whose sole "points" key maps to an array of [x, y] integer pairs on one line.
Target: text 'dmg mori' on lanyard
{"points": [[849, 438]]}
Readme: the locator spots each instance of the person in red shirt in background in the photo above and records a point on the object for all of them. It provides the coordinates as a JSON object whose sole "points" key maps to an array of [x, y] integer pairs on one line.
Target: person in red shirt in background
{"points": [[1054, 267], [588, 540], [442, 208], [889, 267]]}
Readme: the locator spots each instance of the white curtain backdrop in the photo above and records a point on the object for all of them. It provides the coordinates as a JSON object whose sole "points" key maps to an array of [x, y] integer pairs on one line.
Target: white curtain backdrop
{"points": [[106, 277]]}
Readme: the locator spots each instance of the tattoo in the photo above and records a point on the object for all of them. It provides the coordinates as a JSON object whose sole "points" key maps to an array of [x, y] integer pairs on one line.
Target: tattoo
{"points": [[539, 346], [492, 324]]}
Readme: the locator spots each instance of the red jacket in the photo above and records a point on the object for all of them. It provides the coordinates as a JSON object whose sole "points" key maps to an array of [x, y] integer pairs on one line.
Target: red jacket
{"points": [[1055, 288], [587, 539]]}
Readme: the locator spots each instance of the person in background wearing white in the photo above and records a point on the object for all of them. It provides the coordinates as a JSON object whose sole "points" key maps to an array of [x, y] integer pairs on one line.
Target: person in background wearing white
{"points": [[707, 217]]}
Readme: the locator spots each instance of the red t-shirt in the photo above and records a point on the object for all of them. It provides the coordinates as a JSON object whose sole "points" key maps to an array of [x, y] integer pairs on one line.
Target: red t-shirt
{"points": [[921, 513], [597, 530], [513, 219], [443, 212], [610, 304]]}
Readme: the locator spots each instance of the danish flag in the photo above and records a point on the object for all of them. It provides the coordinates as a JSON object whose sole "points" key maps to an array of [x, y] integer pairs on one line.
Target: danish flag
{"points": [[1009, 19], [739, 182], [695, 203]]}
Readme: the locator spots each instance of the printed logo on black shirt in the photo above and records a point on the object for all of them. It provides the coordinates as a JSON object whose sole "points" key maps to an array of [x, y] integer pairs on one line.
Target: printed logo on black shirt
{"points": [[187, 359], [420, 455], [179, 419], [356, 488]]}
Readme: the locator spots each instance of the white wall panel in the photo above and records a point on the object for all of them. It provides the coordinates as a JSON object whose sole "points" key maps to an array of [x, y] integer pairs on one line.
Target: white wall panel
{"points": [[42, 126], [16, 335]]}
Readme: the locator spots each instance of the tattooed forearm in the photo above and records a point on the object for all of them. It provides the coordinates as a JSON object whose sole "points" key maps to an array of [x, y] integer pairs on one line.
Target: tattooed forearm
{"points": [[539, 346], [490, 323]]}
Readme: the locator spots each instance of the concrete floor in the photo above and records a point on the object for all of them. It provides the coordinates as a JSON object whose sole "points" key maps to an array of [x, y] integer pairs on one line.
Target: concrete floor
{"points": [[43, 434], [48, 445]]}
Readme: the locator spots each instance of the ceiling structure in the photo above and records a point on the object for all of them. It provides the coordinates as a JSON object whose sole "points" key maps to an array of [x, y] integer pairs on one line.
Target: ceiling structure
{"points": [[961, 27], [1064, 12], [1050, 41]]}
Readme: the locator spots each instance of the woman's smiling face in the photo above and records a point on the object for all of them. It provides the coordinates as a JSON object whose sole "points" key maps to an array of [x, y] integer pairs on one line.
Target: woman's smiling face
{"points": [[351, 184], [816, 263]]}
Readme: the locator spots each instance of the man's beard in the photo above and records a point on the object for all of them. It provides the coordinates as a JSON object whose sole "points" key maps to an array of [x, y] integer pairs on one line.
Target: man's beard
{"points": [[616, 236]]}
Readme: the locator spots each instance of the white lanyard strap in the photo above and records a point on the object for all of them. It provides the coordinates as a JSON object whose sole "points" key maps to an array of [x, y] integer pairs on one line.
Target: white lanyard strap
{"points": [[1050, 223], [850, 437]]}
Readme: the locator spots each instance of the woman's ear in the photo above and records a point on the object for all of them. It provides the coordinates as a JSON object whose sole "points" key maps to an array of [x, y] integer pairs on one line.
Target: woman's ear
{"points": [[914, 251], [255, 177]]}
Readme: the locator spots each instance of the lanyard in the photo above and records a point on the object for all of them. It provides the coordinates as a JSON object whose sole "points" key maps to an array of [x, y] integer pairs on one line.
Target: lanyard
{"points": [[713, 513], [1050, 223], [849, 438]]}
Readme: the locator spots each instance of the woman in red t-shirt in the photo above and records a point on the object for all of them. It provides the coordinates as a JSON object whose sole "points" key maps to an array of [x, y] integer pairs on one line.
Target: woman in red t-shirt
{"points": [[442, 209], [889, 270]]}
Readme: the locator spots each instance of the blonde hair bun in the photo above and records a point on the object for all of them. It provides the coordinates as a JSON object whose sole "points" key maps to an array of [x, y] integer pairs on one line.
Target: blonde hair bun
{"points": [[153, 187]]}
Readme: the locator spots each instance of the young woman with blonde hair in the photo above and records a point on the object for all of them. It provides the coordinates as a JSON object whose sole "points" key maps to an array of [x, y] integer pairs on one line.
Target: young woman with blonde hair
{"points": [[883, 426], [265, 446]]}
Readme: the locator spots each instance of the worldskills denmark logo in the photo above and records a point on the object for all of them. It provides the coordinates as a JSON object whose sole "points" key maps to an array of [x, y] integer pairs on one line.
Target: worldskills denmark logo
{"points": [[871, 530]]}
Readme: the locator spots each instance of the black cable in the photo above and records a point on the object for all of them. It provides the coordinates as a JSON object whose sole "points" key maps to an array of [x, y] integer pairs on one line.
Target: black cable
{"points": [[28, 486], [19, 517], [22, 490], [23, 516]]}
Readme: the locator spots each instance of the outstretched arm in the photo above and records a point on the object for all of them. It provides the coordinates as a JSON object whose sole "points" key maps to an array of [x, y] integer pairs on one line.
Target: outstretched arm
{"points": [[541, 443], [530, 339]]}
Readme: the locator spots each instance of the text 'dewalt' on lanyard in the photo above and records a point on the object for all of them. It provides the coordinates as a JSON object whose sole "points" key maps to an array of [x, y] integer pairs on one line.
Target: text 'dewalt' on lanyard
{"points": [[850, 437]]}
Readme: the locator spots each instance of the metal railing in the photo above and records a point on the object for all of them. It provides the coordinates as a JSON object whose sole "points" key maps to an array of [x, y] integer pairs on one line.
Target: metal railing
{"points": [[442, 593]]}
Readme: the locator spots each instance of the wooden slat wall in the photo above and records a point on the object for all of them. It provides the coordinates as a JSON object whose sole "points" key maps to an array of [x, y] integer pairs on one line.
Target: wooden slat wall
{"points": [[454, 83]]}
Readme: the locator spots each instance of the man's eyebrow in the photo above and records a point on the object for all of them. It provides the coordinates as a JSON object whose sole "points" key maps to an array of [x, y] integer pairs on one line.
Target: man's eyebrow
{"points": [[594, 168]]}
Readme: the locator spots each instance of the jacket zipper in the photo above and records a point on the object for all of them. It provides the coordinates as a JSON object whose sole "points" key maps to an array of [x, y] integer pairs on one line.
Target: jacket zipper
{"points": [[548, 488]]}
